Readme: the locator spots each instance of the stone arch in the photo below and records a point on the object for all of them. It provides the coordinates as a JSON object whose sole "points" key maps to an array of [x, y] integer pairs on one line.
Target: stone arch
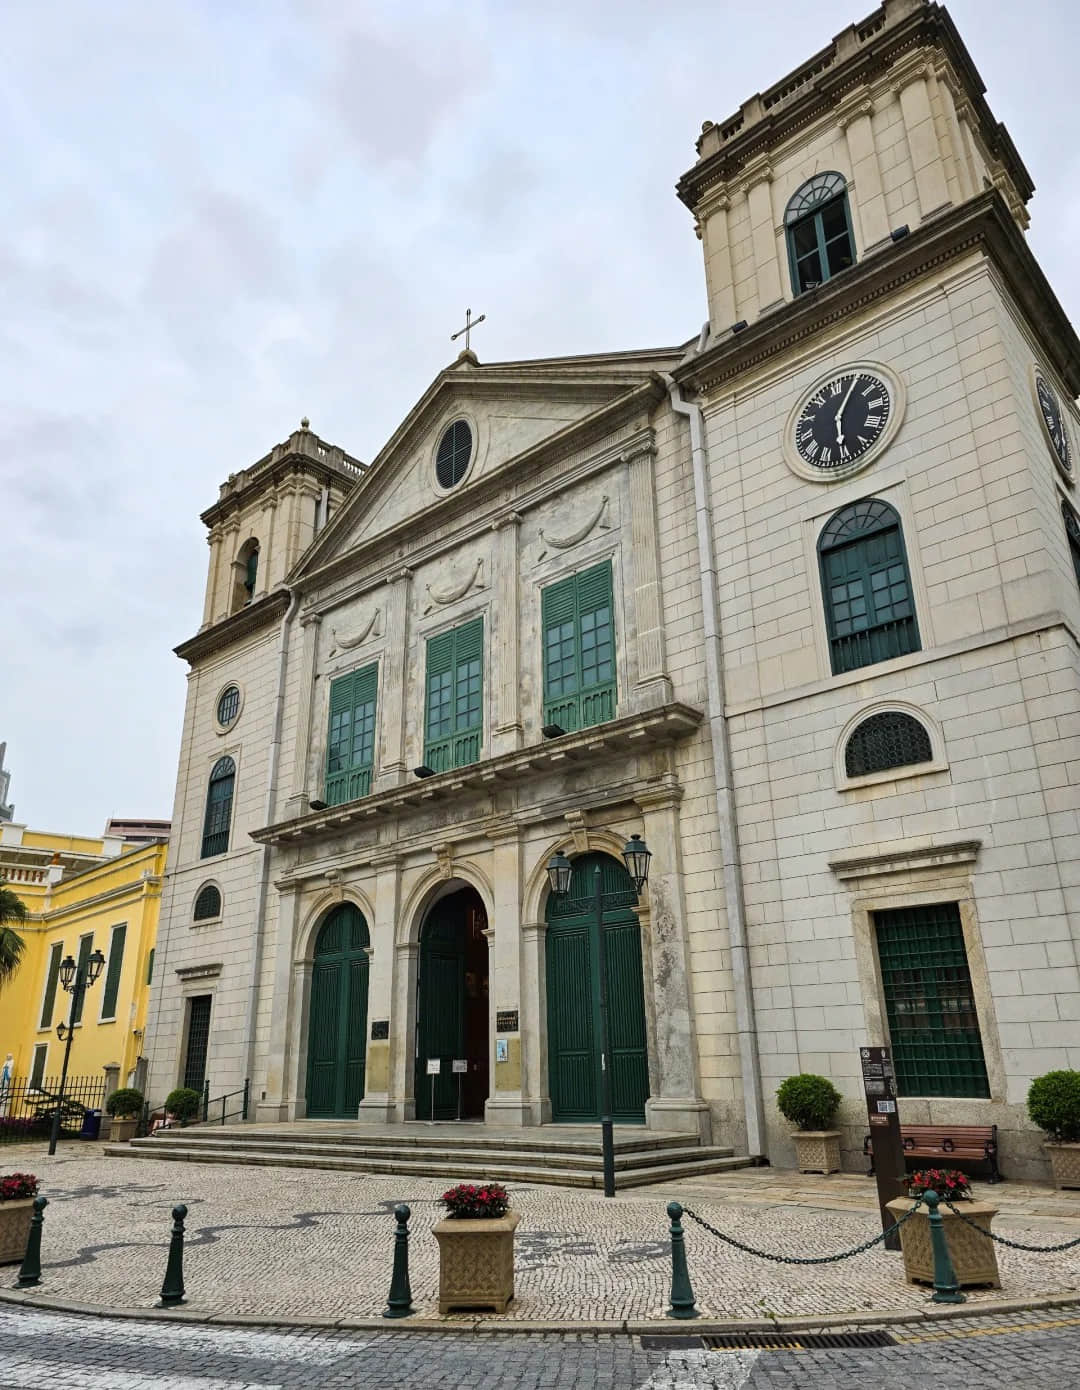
{"points": [[537, 888], [316, 915], [434, 884]]}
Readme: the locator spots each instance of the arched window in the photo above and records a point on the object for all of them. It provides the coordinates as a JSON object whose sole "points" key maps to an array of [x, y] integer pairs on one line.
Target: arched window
{"points": [[208, 903], [219, 799], [246, 572], [1072, 534], [869, 608], [818, 228], [886, 740]]}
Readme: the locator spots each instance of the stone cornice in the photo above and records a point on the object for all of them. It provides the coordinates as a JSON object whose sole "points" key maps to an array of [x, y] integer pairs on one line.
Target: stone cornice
{"points": [[983, 223], [859, 56], [915, 858], [232, 629], [654, 728]]}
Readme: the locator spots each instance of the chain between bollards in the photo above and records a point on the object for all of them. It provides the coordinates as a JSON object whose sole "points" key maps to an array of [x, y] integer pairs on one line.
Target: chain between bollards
{"points": [[946, 1285], [172, 1290], [30, 1269], [399, 1304], [682, 1294]]}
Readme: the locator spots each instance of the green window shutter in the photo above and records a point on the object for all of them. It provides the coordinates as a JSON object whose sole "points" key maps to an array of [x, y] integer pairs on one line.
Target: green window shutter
{"points": [[37, 1071], [577, 617], [350, 743], [113, 971], [86, 945], [48, 1003], [454, 716], [150, 965]]}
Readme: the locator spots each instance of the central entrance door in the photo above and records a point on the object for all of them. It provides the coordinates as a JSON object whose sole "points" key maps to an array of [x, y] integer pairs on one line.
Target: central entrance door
{"points": [[337, 1029], [452, 1008], [573, 992]]}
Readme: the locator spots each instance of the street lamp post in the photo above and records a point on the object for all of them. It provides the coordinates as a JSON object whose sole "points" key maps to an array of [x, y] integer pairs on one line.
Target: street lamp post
{"points": [[75, 979], [636, 856]]}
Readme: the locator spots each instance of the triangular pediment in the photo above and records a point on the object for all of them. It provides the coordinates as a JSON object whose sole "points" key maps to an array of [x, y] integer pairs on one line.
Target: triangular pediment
{"points": [[510, 408]]}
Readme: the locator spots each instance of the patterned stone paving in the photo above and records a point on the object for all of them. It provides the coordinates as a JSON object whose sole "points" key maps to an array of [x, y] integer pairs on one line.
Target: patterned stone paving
{"points": [[287, 1244]]}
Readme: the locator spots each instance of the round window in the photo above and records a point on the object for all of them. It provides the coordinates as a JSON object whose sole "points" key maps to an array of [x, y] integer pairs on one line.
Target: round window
{"points": [[228, 706], [455, 450]]}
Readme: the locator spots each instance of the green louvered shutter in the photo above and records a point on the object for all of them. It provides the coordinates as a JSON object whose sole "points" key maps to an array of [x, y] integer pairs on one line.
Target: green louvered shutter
{"points": [[48, 1003], [577, 616], [113, 971], [454, 717], [150, 965], [86, 945], [350, 744]]}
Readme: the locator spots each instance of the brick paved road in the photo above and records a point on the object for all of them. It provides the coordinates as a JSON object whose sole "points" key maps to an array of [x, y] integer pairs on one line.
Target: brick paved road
{"points": [[73, 1353]]}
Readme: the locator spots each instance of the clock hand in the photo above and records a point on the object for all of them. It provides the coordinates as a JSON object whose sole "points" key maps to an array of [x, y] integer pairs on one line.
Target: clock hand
{"points": [[843, 407]]}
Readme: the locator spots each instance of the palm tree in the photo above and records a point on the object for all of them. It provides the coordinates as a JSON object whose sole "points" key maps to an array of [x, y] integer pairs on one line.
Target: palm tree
{"points": [[12, 909]]}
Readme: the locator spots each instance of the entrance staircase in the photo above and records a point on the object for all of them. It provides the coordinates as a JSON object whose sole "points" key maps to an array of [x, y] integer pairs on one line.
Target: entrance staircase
{"points": [[563, 1155]]}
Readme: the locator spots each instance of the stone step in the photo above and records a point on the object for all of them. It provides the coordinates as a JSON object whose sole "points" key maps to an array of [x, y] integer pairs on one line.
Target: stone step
{"points": [[486, 1166], [257, 1146]]}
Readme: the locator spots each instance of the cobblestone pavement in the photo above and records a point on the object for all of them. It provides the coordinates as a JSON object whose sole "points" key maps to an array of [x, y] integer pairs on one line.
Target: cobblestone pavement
{"points": [[72, 1353], [289, 1244]]}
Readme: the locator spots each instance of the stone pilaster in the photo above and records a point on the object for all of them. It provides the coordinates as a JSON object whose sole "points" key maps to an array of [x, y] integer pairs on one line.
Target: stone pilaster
{"points": [[215, 540], [716, 244], [923, 143], [283, 1083], [401, 1102], [868, 203], [375, 1108], [536, 1099], [506, 735], [267, 547], [653, 686], [676, 1102], [392, 769], [504, 1104], [758, 189], [300, 793]]}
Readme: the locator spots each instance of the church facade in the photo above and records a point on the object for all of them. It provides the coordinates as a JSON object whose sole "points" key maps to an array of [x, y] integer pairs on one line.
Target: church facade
{"points": [[797, 602]]}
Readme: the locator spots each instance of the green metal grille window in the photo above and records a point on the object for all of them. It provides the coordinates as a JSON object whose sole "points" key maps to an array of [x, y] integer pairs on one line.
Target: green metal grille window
{"points": [[869, 607], [455, 688], [350, 744], [48, 1003], [219, 800], [886, 740], [208, 903], [818, 228], [933, 1027], [579, 649], [113, 973], [86, 945], [1072, 532]]}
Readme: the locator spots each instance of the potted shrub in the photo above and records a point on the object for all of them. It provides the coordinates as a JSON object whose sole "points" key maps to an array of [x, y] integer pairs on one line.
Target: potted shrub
{"points": [[125, 1107], [811, 1103], [476, 1248], [182, 1104], [17, 1193], [1054, 1105], [974, 1256]]}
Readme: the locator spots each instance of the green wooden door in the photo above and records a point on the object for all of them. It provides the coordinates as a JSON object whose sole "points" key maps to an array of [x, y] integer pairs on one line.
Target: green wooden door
{"points": [[440, 1010], [337, 1027], [573, 994]]}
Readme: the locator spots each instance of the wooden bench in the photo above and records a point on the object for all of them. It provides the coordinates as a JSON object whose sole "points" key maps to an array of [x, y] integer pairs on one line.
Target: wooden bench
{"points": [[946, 1145]]}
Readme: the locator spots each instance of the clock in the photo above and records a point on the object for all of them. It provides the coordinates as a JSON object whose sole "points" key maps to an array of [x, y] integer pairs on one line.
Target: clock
{"points": [[845, 419], [1053, 420]]}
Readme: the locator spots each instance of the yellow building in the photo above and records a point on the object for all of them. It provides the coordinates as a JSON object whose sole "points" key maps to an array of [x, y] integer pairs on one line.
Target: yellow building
{"points": [[83, 894]]}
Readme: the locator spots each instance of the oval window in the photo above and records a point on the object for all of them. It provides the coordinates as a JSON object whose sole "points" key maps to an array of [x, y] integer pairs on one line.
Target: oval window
{"points": [[452, 459], [228, 706]]}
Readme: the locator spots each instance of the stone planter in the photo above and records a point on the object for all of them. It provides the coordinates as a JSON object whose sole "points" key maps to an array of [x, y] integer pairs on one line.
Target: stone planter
{"points": [[122, 1128], [476, 1262], [817, 1150], [15, 1229], [974, 1257], [1064, 1164]]}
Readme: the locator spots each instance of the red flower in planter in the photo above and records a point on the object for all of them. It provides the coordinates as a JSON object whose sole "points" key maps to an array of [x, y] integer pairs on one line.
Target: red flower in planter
{"points": [[949, 1184], [15, 1187], [476, 1203]]}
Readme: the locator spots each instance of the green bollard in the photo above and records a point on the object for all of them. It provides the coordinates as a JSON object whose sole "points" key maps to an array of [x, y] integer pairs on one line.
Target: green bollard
{"points": [[946, 1289], [30, 1269], [172, 1290], [399, 1304], [682, 1295]]}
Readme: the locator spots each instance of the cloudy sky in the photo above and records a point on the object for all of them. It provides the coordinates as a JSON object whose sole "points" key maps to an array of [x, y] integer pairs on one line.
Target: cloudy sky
{"points": [[221, 216]]}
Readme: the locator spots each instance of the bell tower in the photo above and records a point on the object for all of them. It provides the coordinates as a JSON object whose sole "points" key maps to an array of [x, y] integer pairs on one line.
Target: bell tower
{"points": [[267, 515], [875, 136]]}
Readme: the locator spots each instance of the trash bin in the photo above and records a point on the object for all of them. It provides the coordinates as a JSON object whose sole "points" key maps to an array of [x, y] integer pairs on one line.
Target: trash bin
{"points": [[91, 1125]]}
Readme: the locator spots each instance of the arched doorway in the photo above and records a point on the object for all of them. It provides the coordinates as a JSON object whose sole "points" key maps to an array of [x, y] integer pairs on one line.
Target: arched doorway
{"points": [[573, 994], [452, 1009], [337, 1027]]}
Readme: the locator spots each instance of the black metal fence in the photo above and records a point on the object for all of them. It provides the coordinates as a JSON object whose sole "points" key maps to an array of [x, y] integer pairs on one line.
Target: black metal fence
{"points": [[26, 1111]]}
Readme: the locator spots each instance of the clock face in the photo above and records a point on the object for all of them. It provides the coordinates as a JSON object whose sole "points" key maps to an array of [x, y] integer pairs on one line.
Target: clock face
{"points": [[1054, 422], [843, 420]]}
